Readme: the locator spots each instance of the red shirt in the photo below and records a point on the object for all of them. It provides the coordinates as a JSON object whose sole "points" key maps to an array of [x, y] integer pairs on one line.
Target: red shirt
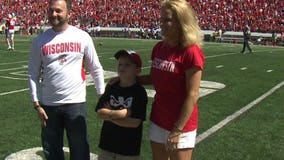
{"points": [[168, 76], [11, 23]]}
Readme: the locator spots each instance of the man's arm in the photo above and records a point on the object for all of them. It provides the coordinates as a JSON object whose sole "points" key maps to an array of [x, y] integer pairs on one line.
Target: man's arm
{"points": [[95, 67], [34, 71]]}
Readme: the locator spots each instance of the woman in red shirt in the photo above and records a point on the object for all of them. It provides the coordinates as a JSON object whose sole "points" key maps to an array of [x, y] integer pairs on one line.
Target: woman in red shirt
{"points": [[176, 71]]}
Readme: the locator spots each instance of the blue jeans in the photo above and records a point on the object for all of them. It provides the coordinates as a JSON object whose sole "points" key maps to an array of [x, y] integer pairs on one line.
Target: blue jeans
{"points": [[71, 117]]}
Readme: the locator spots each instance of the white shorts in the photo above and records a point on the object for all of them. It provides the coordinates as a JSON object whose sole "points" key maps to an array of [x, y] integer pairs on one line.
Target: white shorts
{"points": [[160, 135], [11, 34]]}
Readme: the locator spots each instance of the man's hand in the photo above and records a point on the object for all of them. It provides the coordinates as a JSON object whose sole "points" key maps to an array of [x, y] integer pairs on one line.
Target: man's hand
{"points": [[42, 116]]}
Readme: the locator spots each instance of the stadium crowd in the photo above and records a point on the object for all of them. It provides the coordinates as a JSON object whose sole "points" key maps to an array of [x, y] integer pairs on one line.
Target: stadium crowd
{"points": [[230, 15]]}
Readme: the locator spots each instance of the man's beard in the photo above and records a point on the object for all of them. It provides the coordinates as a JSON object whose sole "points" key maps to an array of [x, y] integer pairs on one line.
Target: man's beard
{"points": [[57, 22]]}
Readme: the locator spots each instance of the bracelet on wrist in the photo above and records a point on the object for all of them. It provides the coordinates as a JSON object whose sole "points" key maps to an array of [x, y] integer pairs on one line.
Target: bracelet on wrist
{"points": [[176, 129]]}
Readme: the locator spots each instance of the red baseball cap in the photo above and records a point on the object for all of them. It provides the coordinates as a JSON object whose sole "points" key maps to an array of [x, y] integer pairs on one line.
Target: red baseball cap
{"points": [[132, 54]]}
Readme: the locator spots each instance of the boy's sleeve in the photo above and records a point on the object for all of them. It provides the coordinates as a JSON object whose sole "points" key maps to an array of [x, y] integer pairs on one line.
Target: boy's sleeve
{"points": [[140, 105]]}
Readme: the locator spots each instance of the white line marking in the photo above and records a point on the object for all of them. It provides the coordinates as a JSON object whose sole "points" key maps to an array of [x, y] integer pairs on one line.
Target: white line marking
{"points": [[31, 154], [206, 87], [11, 92], [20, 73], [211, 85], [11, 69], [220, 66], [220, 55], [244, 68], [13, 63], [268, 71], [7, 77], [230, 118]]}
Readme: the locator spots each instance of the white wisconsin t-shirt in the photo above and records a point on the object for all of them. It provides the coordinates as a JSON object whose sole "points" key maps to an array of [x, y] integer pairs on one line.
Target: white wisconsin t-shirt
{"points": [[58, 57]]}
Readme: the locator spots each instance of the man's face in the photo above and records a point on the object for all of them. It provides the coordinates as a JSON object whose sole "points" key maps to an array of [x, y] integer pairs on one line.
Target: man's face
{"points": [[58, 14]]}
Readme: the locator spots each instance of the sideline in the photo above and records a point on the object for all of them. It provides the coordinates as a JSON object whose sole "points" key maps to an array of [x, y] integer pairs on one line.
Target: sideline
{"points": [[230, 118]]}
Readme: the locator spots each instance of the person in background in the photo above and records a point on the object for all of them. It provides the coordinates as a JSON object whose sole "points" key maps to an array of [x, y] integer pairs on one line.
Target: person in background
{"points": [[5, 32], [123, 109], [176, 72], [246, 34], [57, 83], [10, 32], [219, 37]]}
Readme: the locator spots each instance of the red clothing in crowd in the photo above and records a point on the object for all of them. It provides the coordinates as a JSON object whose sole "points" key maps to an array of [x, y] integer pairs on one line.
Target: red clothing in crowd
{"points": [[263, 16]]}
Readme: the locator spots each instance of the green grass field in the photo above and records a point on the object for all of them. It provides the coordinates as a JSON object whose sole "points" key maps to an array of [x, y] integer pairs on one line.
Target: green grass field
{"points": [[242, 120]]}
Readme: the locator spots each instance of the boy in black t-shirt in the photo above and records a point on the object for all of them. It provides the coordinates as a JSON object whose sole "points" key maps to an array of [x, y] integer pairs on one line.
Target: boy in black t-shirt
{"points": [[123, 109]]}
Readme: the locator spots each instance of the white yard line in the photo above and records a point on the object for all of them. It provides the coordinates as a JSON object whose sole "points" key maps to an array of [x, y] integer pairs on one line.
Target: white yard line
{"points": [[11, 69], [12, 92], [13, 78], [220, 55], [230, 118], [1, 64]]}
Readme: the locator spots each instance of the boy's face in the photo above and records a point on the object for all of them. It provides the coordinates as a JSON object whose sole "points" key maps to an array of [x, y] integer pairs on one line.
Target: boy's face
{"points": [[126, 68]]}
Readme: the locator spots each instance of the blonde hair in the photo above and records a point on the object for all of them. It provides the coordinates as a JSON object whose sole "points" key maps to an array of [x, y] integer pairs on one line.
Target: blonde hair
{"points": [[187, 20]]}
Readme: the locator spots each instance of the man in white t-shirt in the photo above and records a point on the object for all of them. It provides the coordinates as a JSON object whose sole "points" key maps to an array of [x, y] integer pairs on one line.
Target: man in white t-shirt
{"points": [[57, 61]]}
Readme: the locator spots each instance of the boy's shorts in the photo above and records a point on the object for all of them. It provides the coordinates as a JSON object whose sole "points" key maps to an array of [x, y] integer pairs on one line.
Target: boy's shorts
{"points": [[160, 135]]}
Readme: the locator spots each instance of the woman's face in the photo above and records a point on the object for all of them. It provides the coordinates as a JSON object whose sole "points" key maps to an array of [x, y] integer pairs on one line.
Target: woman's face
{"points": [[169, 24]]}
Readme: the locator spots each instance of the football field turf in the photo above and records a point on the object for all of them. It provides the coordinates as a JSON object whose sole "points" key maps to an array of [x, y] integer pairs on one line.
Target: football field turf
{"points": [[241, 109]]}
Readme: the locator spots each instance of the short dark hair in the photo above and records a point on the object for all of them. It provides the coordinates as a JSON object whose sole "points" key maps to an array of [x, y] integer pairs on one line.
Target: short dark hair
{"points": [[68, 3]]}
